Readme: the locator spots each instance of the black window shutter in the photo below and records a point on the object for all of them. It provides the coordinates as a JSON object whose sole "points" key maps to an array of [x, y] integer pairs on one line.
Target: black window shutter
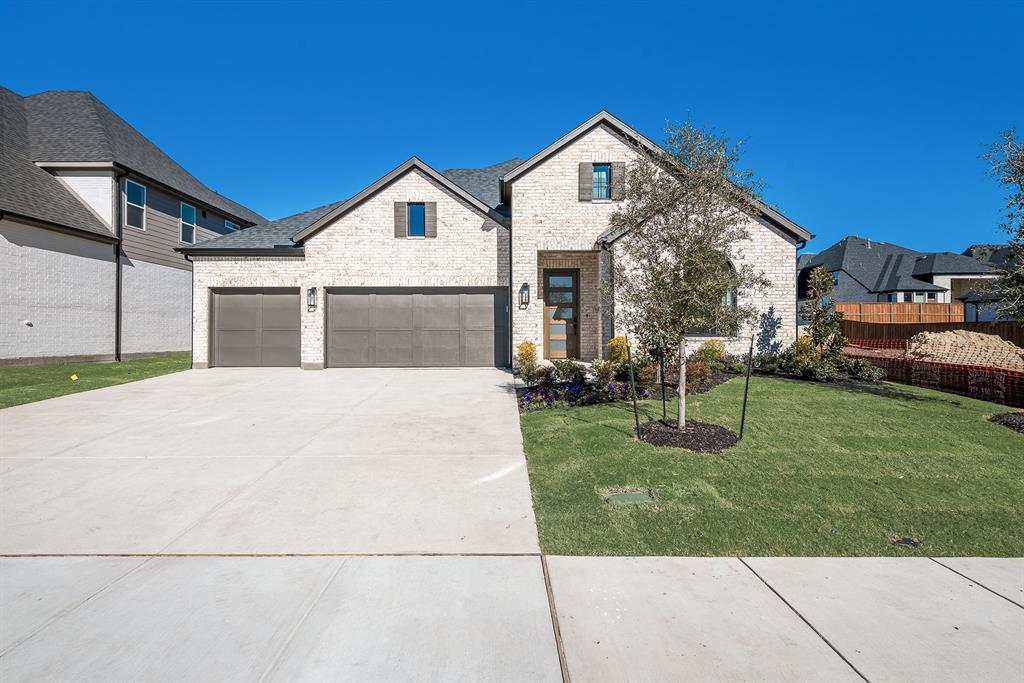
{"points": [[430, 218], [586, 181], [618, 179], [401, 220]]}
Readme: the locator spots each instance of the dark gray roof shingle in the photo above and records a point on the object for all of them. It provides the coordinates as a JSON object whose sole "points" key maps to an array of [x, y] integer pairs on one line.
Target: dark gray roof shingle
{"points": [[482, 183], [75, 126], [883, 267], [26, 189], [273, 235]]}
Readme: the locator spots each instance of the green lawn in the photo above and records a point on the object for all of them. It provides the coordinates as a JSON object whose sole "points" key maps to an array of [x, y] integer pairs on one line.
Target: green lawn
{"points": [[25, 385], [822, 470]]}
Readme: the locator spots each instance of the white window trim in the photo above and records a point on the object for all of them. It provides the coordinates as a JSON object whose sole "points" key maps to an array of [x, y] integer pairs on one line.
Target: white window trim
{"points": [[181, 224], [231, 225], [145, 198]]}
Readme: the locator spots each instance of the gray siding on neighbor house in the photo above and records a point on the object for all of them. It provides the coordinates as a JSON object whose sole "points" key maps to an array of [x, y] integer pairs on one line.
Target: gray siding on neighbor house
{"points": [[157, 242]]}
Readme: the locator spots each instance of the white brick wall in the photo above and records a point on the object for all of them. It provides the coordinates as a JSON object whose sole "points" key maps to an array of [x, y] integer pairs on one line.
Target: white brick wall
{"points": [[156, 308], [548, 216], [360, 250], [62, 285]]}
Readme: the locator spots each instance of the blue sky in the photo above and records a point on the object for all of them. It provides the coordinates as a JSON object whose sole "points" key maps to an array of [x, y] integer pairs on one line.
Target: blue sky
{"points": [[862, 119]]}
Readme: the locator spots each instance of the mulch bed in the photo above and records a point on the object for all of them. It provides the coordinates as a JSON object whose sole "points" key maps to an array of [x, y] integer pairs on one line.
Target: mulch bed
{"points": [[1014, 421], [700, 437]]}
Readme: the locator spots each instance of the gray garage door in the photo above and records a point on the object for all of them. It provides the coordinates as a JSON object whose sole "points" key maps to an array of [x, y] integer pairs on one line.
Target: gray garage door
{"points": [[255, 327], [400, 327]]}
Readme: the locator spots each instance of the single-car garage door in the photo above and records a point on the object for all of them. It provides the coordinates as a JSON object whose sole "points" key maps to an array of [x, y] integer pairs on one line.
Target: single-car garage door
{"points": [[402, 327], [255, 327]]}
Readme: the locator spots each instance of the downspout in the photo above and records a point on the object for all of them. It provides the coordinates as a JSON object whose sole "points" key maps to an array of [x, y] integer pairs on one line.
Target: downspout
{"points": [[118, 232], [796, 317]]}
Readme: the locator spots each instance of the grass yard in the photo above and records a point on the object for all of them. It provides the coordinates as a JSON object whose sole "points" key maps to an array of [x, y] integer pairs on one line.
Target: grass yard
{"points": [[25, 385], [821, 470]]}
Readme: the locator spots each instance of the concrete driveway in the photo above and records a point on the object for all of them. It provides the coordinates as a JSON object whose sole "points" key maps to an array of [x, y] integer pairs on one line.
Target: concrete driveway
{"points": [[376, 525], [247, 524]]}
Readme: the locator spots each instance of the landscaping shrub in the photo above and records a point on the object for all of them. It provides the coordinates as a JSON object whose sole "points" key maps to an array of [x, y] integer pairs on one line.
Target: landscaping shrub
{"points": [[537, 398], [569, 371], [697, 373], [604, 371], [767, 364], [860, 369], [546, 377], [646, 377], [617, 353], [710, 352], [526, 359]]}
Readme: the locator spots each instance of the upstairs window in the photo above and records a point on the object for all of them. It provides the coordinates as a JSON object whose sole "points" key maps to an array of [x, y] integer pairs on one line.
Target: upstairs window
{"points": [[602, 183], [187, 224], [230, 226], [135, 205], [417, 220]]}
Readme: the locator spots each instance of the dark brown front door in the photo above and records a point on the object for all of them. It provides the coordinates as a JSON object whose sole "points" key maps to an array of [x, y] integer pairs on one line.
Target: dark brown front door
{"points": [[561, 314]]}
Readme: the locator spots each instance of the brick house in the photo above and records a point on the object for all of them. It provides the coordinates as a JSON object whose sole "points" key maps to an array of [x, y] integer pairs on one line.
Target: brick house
{"points": [[90, 214], [426, 268]]}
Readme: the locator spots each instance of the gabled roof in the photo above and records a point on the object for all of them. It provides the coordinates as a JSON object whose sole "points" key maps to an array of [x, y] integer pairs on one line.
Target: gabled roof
{"points": [[483, 183], [29, 192], [285, 235], [412, 164], [605, 118], [882, 267], [73, 127]]}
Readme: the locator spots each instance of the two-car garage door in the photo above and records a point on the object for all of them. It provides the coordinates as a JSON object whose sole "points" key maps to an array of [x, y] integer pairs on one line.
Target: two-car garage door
{"points": [[403, 327], [365, 327]]}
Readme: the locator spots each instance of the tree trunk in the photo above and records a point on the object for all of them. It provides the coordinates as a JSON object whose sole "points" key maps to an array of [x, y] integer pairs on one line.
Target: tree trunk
{"points": [[682, 384]]}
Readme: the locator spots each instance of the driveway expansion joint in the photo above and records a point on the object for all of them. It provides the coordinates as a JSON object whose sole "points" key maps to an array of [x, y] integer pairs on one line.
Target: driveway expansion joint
{"points": [[804, 619], [976, 582]]}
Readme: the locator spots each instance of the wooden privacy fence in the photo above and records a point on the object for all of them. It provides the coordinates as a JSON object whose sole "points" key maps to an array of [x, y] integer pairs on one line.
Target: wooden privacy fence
{"points": [[902, 313], [887, 335]]}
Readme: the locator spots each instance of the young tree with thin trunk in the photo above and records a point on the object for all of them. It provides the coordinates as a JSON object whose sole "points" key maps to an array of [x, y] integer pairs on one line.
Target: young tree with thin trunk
{"points": [[684, 221], [1006, 159]]}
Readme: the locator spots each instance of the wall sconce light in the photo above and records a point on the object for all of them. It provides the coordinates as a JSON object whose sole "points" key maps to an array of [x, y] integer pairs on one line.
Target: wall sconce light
{"points": [[311, 299], [524, 295]]}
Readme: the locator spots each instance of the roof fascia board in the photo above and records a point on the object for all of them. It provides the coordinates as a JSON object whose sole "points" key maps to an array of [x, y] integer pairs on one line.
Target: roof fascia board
{"points": [[56, 227], [76, 164], [387, 179], [242, 251]]}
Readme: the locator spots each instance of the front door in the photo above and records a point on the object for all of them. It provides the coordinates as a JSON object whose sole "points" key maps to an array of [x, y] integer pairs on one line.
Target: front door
{"points": [[561, 314]]}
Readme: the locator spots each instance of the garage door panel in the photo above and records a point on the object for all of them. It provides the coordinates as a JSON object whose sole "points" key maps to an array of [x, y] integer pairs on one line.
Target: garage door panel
{"points": [[438, 311], [238, 348], [279, 349], [349, 348], [280, 312], [416, 327], [238, 311], [439, 347], [394, 347], [393, 312], [349, 311]]}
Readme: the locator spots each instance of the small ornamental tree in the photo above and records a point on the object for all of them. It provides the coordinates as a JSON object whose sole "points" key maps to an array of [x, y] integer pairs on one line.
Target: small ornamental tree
{"points": [[824, 323], [1006, 159], [684, 219]]}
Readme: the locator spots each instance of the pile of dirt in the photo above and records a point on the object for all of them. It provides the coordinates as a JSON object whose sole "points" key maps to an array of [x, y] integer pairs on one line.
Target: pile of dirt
{"points": [[700, 437], [962, 347]]}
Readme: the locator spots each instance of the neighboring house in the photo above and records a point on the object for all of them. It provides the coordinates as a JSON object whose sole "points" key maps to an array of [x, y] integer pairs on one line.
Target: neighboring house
{"points": [[870, 271], [90, 214], [982, 306], [426, 268]]}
